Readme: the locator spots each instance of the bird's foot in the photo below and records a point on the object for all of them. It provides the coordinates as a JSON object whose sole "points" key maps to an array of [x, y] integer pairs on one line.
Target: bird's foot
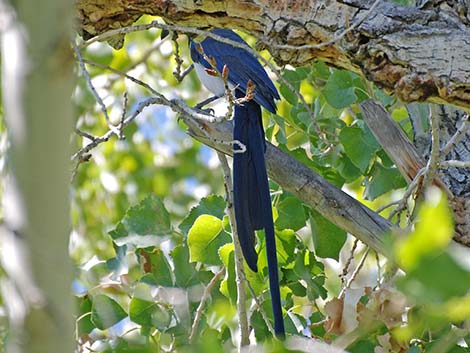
{"points": [[206, 102]]}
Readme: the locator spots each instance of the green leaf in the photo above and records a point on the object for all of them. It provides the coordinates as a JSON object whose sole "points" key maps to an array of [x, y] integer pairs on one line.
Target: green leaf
{"points": [[121, 345], [211, 205], [320, 70], [228, 286], [309, 270], [339, 90], [347, 169], [118, 265], [316, 329], [100, 53], [185, 272], [381, 180], [205, 238], [294, 325], [148, 218], [281, 133], [293, 78], [155, 263], [286, 242], [316, 288], [305, 118], [259, 326], [209, 341], [414, 349], [291, 214], [84, 323], [357, 146], [328, 239], [119, 232], [106, 312], [362, 346], [436, 279], [384, 98], [150, 314]]}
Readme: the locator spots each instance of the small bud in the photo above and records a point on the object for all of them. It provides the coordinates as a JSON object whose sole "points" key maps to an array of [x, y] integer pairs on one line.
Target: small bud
{"points": [[225, 72], [212, 61], [250, 87], [212, 72]]}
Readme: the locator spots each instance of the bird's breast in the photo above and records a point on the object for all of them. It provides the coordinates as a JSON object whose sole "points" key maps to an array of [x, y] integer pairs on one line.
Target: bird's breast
{"points": [[212, 83]]}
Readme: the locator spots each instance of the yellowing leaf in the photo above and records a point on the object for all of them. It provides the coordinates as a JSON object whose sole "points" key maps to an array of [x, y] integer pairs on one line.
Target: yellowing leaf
{"points": [[225, 253], [458, 309], [433, 231], [204, 231]]}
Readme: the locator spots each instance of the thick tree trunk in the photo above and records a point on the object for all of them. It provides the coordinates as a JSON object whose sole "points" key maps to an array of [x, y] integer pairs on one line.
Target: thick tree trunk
{"points": [[410, 159], [416, 53], [36, 88]]}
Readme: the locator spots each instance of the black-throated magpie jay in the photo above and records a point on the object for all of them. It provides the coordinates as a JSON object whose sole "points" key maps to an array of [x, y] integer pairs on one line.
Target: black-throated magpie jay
{"points": [[251, 198]]}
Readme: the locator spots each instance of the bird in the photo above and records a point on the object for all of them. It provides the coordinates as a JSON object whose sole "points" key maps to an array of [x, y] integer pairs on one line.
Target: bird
{"points": [[251, 196]]}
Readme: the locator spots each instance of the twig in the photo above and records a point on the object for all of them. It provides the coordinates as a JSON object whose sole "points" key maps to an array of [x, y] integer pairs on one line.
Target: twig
{"points": [[390, 204], [123, 117], [454, 163], [309, 187], [355, 273], [176, 105], [179, 62], [348, 262], [260, 308], [239, 266], [379, 268], [205, 296], [123, 74], [92, 88], [223, 76], [329, 42], [198, 32], [149, 51], [85, 134], [228, 87], [186, 72], [84, 158], [459, 134], [182, 107], [433, 161], [98, 140], [402, 203]]}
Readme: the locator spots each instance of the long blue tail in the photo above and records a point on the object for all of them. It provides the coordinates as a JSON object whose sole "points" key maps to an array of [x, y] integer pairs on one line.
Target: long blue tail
{"points": [[252, 200]]}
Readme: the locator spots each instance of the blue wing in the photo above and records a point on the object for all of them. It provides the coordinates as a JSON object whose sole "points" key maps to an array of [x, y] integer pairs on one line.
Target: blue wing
{"points": [[242, 66]]}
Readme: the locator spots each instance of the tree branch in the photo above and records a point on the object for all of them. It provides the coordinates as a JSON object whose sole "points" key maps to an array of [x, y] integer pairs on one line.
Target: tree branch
{"points": [[199, 310], [239, 262], [312, 189], [389, 44], [404, 155]]}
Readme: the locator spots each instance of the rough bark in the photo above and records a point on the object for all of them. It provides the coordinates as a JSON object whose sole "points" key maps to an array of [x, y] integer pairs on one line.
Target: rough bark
{"points": [[410, 161], [416, 53], [36, 89]]}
